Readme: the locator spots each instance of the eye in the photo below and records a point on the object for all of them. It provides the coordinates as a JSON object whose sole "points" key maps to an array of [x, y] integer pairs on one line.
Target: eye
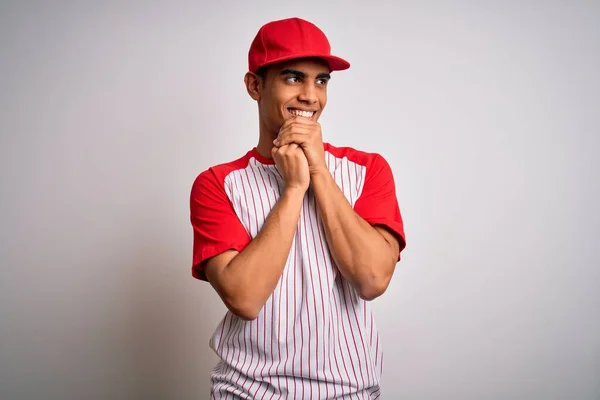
{"points": [[292, 79], [322, 82]]}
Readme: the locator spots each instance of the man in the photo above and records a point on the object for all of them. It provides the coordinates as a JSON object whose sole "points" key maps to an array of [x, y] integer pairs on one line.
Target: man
{"points": [[296, 236]]}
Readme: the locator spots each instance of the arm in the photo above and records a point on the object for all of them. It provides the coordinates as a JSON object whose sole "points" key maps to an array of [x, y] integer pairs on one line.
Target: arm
{"points": [[245, 280], [245, 272], [366, 255], [360, 240]]}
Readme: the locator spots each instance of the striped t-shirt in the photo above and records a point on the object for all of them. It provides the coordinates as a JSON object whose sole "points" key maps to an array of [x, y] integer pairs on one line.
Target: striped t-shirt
{"points": [[315, 338]]}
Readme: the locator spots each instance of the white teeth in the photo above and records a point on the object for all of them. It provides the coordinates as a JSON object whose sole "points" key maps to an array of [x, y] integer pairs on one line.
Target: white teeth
{"points": [[300, 113]]}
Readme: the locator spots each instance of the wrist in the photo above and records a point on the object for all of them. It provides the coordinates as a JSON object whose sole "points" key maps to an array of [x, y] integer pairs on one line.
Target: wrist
{"points": [[294, 192], [319, 171]]}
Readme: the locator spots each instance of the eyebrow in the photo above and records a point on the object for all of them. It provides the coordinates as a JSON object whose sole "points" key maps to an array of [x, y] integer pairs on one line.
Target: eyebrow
{"points": [[303, 75]]}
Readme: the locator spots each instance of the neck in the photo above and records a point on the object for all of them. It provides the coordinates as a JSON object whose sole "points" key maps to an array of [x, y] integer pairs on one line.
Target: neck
{"points": [[265, 141]]}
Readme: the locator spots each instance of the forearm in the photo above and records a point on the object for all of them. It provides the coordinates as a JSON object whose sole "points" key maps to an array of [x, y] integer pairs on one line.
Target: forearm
{"points": [[251, 276], [362, 254]]}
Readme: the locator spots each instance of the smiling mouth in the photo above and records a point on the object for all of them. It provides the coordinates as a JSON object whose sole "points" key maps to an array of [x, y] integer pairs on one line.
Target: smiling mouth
{"points": [[301, 113]]}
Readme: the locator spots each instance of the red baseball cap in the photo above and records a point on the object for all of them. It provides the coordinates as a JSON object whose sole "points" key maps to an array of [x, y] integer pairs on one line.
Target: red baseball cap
{"points": [[289, 39]]}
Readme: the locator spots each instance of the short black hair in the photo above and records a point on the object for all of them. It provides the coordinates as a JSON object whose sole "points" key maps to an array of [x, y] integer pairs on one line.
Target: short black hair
{"points": [[262, 71]]}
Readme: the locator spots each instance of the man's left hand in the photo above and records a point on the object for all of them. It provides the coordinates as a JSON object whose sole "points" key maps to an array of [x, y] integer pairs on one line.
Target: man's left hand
{"points": [[307, 134]]}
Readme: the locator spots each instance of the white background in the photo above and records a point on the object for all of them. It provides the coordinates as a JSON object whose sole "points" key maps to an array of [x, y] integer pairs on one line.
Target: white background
{"points": [[488, 113]]}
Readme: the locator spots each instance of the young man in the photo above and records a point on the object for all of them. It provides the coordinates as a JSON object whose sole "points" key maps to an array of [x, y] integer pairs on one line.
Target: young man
{"points": [[296, 236]]}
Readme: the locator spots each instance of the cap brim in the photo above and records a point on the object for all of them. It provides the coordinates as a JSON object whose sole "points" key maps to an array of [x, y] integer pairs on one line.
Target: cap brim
{"points": [[335, 63]]}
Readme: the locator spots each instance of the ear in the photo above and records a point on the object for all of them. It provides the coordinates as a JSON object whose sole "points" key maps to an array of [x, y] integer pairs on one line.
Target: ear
{"points": [[253, 85]]}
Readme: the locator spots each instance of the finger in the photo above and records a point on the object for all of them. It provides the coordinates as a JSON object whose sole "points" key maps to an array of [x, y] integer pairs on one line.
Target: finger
{"points": [[299, 127], [303, 121], [294, 138], [296, 125], [289, 149], [289, 121], [290, 132], [297, 121], [283, 149], [295, 129]]}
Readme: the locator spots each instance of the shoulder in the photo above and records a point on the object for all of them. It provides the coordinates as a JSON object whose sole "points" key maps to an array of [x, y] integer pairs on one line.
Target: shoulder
{"points": [[360, 157], [216, 174]]}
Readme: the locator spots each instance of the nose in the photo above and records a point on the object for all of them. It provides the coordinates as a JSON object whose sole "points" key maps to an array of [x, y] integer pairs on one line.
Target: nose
{"points": [[308, 94]]}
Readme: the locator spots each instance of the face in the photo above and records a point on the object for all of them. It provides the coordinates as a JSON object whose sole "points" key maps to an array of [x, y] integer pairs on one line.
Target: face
{"points": [[295, 88]]}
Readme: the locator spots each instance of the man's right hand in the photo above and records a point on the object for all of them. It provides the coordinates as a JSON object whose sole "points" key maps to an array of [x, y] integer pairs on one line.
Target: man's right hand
{"points": [[245, 280], [293, 166]]}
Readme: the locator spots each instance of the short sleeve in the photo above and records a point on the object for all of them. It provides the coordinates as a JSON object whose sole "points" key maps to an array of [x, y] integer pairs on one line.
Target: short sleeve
{"points": [[216, 226], [378, 204]]}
